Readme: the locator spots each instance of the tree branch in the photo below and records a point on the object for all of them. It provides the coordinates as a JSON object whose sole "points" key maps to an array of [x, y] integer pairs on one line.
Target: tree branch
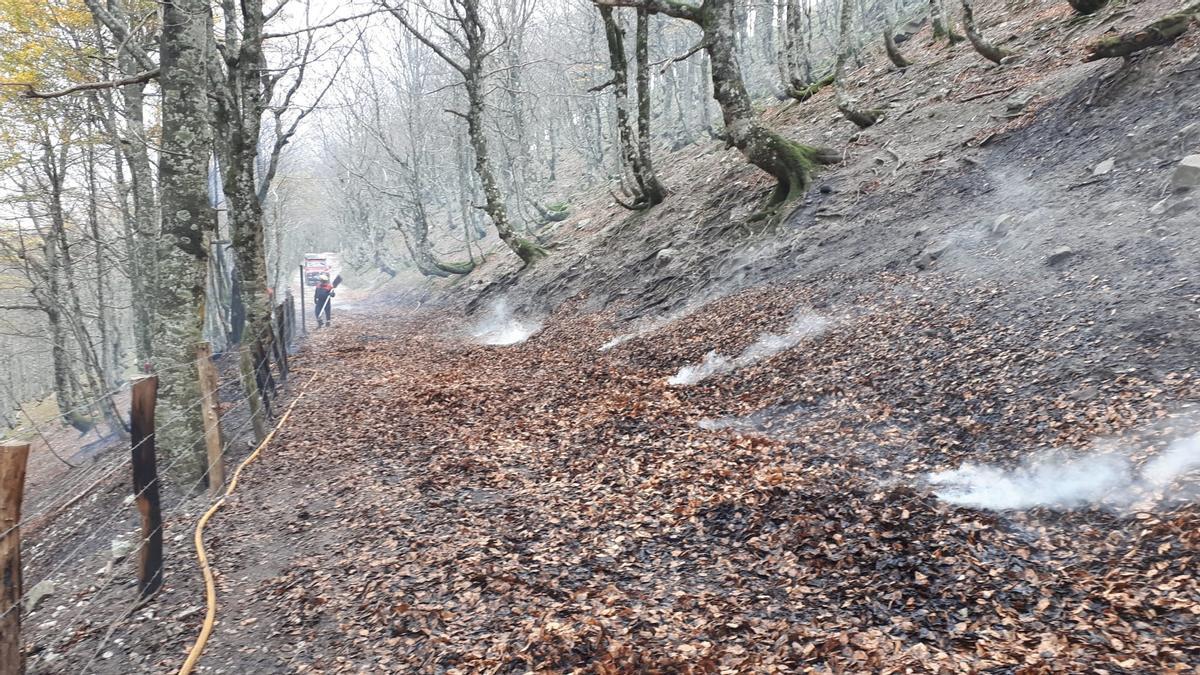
{"points": [[689, 54], [602, 86], [328, 24], [427, 42], [679, 10], [31, 92], [121, 32]]}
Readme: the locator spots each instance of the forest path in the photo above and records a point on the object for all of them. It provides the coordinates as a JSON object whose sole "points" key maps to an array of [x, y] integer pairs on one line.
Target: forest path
{"points": [[437, 504]]}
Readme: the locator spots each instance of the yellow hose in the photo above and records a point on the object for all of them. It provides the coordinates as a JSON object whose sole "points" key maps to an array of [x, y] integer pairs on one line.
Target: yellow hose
{"points": [[210, 588]]}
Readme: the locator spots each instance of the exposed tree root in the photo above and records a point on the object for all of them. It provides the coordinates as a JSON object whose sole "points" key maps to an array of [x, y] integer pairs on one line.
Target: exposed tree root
{"points": [[893, 52], [1161, 33], [986, 49], [861, 117], [802, 92]]}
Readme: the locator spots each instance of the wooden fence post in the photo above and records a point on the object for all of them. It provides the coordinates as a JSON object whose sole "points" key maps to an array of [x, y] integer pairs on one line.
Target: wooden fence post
{"points": [[13, 457], [145, 485], [250, 386], [291, 320], [303, 312], [280, 341], [210, 392]]}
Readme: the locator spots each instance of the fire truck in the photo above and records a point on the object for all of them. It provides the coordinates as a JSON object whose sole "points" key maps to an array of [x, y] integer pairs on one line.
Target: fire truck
{"points": [[316, 264]]}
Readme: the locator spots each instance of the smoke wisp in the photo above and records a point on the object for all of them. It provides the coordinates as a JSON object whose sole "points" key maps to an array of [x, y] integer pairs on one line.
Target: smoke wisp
{"points": [[1051, 481], [767, 345], [500, 327]]}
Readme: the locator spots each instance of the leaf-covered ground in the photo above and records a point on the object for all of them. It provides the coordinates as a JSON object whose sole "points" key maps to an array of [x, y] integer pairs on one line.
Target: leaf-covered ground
{"points": [[442, 506]]}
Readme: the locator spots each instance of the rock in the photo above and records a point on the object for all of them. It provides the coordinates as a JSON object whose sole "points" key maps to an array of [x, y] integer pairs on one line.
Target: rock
{"points": [[931, 254], [1187, 174], [1059, 254], [121, 547], [908, 30], [185, 613], [1168, 210], [1017, 102], [1104, 167], [665, 256], [40, 591], [1001, 226]]}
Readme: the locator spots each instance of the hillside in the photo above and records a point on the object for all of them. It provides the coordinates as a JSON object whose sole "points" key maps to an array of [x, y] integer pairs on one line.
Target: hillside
{"points": [[941, 419]]}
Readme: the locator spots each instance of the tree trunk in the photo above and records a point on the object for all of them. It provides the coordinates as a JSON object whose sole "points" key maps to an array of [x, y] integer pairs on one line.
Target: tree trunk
{"points": [[790, 163], [986, 49], [474, 42], [629, 142], [942, 29], [862, 118], [1162, 32], [187, 217], [526, 250], [893, 51], [241, 102], [654, 191], [416, 240], [106, 325]]}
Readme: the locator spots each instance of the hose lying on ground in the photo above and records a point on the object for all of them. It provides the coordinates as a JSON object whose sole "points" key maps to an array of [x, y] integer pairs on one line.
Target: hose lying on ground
{"points": [[210, 588]]}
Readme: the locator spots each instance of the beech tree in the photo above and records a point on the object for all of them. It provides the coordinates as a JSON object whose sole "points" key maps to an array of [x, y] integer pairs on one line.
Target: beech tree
{"points": [[465, 25], [789, 162], [646, 189]]}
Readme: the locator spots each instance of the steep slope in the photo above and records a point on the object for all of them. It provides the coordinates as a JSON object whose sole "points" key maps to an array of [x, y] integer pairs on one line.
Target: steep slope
{"points": [[987, 168]]}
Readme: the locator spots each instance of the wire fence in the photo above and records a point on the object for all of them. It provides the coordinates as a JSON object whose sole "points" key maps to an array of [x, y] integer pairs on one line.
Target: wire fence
{"points": [[229, 402]]}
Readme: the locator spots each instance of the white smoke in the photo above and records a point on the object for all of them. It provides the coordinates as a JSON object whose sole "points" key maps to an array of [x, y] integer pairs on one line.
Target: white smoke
{"points": [[767, 345], [617, 341], [500, 327], [1101, 479]]}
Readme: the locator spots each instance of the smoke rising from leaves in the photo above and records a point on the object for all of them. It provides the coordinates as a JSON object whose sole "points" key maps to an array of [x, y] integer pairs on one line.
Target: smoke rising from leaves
{"points": [[500, 327], [1052, 481], [765, 346]]}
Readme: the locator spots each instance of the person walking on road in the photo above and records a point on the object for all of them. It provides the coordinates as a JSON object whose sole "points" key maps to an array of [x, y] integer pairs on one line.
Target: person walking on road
{"points": [[323, 301]]}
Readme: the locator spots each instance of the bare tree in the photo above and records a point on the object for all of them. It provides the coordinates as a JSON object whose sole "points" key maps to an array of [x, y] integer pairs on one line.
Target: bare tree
{"points": [[467, 31], [789, 162], [646, 189]]}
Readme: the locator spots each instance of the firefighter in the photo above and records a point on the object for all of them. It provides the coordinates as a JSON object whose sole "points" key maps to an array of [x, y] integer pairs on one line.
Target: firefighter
{"points": [[322, 300]]}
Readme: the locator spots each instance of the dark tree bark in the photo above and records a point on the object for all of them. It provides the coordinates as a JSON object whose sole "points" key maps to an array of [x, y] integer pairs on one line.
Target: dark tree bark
{"points": [[654, 190], [645, 189], [1087, 6]]}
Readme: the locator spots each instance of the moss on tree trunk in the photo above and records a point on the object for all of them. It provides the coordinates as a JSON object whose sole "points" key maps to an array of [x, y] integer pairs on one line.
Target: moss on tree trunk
{"points": [[1163, 32]]}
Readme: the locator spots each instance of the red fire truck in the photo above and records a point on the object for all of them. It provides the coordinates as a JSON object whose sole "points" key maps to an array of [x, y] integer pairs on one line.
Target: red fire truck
{"points": [[316, 264]]}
